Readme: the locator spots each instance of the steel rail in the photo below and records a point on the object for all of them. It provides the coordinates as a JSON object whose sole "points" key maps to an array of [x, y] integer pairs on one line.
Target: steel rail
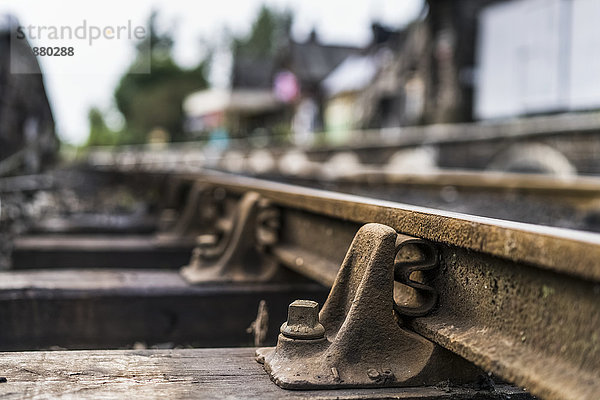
{"points": [[408, 136], [564, 251], [489, 180], [571, 202], [574, 190], [519, 300]]}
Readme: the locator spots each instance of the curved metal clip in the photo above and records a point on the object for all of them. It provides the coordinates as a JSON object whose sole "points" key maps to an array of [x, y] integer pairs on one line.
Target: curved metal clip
{"points": [[413, 255]]}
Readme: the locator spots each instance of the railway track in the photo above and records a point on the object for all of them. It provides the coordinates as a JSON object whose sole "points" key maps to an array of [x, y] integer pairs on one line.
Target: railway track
{"points": [[517, 300], [563, 144]]}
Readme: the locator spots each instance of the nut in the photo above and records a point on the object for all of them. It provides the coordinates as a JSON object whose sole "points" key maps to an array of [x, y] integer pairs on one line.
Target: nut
{"points": [[303, 321]]}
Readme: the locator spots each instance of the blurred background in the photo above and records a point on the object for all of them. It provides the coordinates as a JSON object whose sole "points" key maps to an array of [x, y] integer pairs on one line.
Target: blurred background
{"points": [[194, 47], [311, 74]]}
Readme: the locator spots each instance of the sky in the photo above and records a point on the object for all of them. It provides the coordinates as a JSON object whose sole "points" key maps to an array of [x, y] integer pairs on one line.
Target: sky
{"points": [[87, 79]]}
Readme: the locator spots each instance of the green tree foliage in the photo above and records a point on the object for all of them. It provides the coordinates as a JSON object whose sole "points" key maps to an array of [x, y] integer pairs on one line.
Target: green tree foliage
{"points": [[100, 134], [269, 32], [154, 100]]}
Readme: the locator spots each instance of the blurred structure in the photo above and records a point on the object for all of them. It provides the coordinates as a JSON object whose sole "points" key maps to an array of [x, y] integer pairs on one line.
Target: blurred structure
{"points": [[363, 90], [27, 134], [311, 62], [538, 57], [429, 82], [468, 59], [276, 85], [421, 74], [237, 110], [274, 94]]}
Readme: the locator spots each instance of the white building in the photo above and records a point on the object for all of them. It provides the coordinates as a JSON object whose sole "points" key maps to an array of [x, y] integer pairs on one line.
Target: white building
{"points": [[538, 56]]}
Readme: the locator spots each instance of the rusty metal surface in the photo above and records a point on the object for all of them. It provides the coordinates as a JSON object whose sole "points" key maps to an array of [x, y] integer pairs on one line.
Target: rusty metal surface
{"points": [[565, 202], [537, 329], [561, 250], [518, 300], [236, 256], [359, 343], [190, 213]]}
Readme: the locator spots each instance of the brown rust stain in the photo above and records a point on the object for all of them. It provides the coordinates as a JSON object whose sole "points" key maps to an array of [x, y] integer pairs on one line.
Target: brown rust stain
{"points": [[561, 250]]}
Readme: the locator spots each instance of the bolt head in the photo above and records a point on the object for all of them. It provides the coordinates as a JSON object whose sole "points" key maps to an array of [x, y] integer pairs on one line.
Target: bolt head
{"points": [[303, 321], [373, 373], [303, 312]]}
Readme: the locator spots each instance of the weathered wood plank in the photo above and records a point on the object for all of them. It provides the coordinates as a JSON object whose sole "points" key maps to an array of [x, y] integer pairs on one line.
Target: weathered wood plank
{"points": [[92, 280], [189, 373], [95, 309], [98, 251], [90, 223]]}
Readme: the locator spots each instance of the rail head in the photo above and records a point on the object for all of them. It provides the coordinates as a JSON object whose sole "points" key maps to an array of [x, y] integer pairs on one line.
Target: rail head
{"points": [[564, 251]]}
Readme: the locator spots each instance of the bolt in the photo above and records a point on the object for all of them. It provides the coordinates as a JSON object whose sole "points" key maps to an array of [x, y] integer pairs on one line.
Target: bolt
{"points": [[373, 374], [303, 321], [386, 375]]}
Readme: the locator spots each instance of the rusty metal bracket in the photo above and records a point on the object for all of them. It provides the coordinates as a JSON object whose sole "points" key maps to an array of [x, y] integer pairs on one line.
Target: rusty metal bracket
{"points": [[356, 340], [414, 256], [190, 211], [200, 210], [238, 254]]}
